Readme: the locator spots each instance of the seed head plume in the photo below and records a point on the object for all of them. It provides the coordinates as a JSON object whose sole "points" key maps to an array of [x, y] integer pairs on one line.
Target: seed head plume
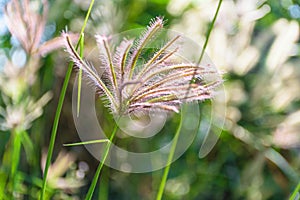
{"points": [[28, 26], [160, 84], [90, 72]]}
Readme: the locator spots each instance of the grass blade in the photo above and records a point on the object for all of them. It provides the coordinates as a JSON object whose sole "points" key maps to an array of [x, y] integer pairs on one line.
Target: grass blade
{"points": [[296, 193], [104, 185], [28, 147], [170, 158], [167, 168], [80, 73], [16, 153], [87, 142], [100, 166], [55, 126], [211, 26], [59, 108]]}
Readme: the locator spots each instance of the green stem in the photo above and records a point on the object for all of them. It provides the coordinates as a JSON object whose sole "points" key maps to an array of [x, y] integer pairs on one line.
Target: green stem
{"points": [[100, 166], [54, 128], [170, 158], [172, 151], [295, 193], [80, 74], [59, 108], [205, 43], [104, 184], [86, 142], [15, 156], [211, 26]]}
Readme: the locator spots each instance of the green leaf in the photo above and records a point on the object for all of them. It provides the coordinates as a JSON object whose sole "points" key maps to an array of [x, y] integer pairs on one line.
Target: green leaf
{"points": [[296, 193], [59, 107], [80, 73], [87, 142], [28, 146]]}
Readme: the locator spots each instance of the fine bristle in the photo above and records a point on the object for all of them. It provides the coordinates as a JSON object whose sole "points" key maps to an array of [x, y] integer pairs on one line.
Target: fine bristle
{"points": [[155, 25], [88, 70]]}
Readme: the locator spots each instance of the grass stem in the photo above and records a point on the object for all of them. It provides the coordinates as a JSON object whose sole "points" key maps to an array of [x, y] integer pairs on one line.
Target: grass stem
{"points": [[16, 153], [173, 148], [80, 74], [100, 166], [170, 158], [59, 108], [210, 28], [296, 193]]}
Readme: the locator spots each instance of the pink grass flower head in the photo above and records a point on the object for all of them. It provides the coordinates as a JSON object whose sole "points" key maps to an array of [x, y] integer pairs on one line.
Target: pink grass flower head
{"points": [[159, 84]]}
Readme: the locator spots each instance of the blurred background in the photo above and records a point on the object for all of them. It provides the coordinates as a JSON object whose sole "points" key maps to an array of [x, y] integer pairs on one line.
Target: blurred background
{"points": [[254, 42]]}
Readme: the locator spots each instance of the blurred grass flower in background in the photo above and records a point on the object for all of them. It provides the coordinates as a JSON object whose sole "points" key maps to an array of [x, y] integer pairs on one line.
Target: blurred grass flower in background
{"points": [[65, 175], [26, 22]]}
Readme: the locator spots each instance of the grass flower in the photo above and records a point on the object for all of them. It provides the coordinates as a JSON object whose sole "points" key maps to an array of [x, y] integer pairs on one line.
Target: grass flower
{"points": [[63, 173], [28, 26], [159, 83], [21, 116], [132, 84]]}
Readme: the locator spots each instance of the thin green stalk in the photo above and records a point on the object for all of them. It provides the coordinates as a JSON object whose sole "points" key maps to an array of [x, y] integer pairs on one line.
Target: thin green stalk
{"points": [[175, 140], [5, 169], [3, 179], [59, 107], [87, 142], [296, 193], [104, 184], [80, 74], [100, 166], [54, 128], [29, 148], [211, 26], [170, 158], [16, 152]]}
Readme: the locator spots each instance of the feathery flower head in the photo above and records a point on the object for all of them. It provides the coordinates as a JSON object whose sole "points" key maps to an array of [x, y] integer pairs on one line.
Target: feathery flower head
{"points": [[131, 84], [28, 25]]}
